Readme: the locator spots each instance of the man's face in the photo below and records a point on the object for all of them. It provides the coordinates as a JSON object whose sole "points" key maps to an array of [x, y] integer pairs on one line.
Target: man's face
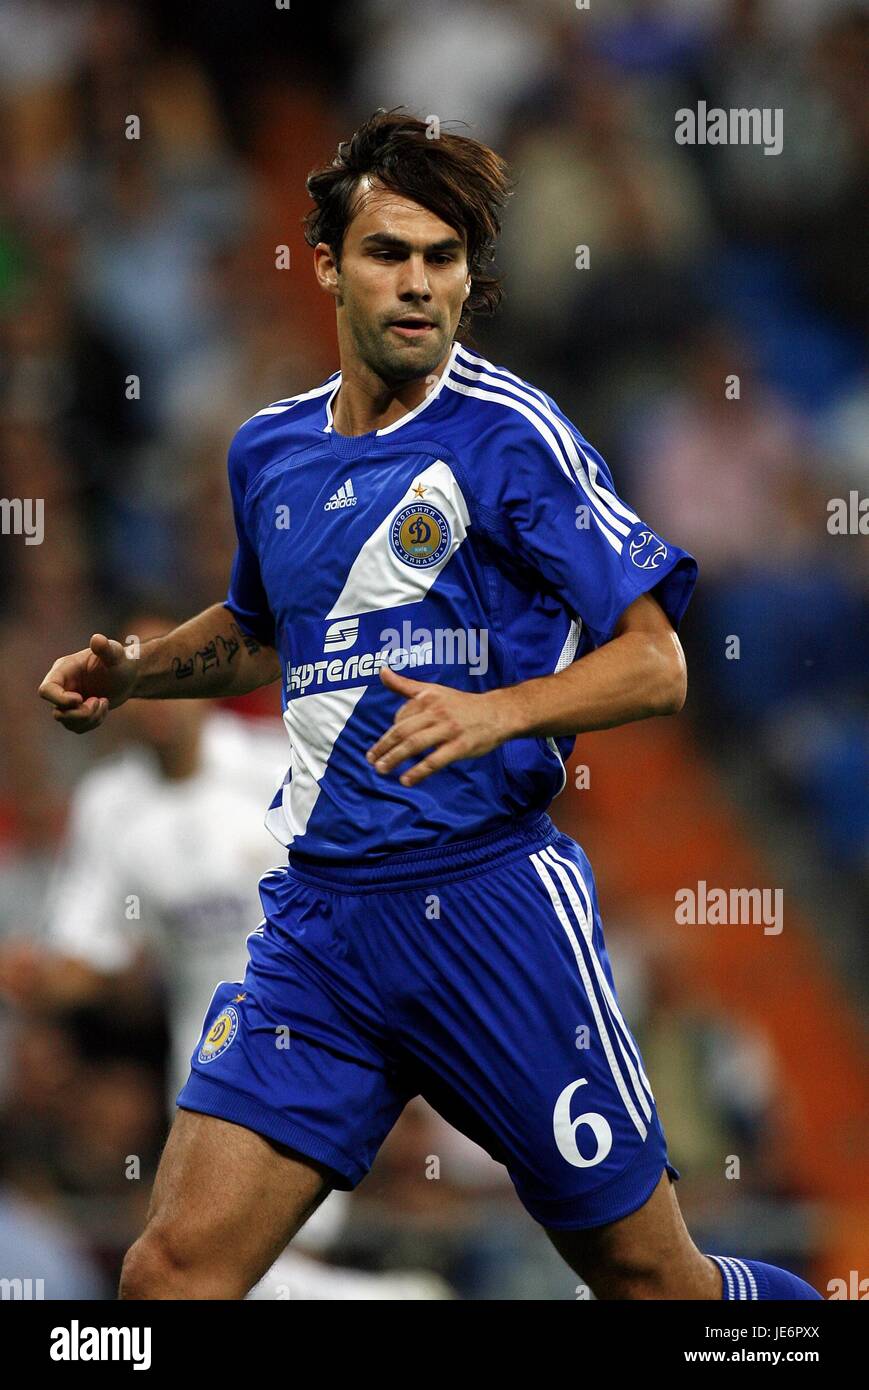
{"points": [[401, 287]]}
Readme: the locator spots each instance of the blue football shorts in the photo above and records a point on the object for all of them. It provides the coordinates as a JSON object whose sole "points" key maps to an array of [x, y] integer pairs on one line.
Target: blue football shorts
{"points": [[475, 975]]}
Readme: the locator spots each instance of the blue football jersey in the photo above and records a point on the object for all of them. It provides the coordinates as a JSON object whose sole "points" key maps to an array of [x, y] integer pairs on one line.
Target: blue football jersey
{"points": [[476, 542]]}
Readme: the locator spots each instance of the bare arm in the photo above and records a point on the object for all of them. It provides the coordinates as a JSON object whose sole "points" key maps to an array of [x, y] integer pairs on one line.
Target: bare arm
{"points": [[640, 672], [206, 657]]}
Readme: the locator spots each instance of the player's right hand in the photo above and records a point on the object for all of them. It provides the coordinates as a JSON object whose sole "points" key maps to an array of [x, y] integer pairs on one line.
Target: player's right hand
{"points": [[83, 687]]}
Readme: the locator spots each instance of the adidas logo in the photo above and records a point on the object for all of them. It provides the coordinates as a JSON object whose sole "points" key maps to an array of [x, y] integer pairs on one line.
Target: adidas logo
{"points": [[344, 497]]}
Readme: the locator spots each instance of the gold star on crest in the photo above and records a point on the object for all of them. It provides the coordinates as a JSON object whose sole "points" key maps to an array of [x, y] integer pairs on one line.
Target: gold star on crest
{"points": [[419, 490], [239, 998]]}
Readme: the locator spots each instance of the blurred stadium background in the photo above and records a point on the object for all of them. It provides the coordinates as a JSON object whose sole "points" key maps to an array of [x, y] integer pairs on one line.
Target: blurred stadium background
{"points": [[156, 257]]}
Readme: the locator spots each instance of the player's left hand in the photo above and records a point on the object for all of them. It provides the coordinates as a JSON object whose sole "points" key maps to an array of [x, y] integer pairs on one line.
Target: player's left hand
{"points": [[452, 723]]}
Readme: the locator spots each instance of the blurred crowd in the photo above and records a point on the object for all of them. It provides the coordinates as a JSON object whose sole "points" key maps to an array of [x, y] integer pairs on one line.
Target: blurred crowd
{"points": [[710, 344]]}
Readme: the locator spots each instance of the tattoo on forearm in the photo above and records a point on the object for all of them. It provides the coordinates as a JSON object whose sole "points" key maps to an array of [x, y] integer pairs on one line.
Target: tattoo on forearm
{"points": [[208, 656], [252, 645], [230, 647]]}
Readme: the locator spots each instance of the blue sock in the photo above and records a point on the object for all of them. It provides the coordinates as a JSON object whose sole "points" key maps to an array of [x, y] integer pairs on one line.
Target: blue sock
{"points": [[753, 1279]]}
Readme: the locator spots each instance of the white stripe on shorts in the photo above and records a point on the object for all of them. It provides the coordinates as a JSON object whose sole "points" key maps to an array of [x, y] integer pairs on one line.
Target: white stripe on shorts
{"points": [[543, 870], [586, 920]]}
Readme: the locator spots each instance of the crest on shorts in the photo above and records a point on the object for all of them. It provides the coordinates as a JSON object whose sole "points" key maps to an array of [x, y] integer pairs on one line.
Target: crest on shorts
{"points": [[219, 1035]]}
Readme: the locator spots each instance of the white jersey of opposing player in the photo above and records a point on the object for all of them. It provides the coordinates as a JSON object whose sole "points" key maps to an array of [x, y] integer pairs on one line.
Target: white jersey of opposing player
{"points": [[171, 865], [174, 865]]}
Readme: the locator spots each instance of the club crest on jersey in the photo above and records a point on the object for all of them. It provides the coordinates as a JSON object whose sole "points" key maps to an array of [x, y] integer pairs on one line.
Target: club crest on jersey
{"points": [[219, 1035], [420, 535], [647, 550]]}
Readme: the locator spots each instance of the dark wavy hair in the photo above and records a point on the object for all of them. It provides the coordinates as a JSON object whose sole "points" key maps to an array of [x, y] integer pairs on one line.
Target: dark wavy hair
{"points": [[459, 179]]}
